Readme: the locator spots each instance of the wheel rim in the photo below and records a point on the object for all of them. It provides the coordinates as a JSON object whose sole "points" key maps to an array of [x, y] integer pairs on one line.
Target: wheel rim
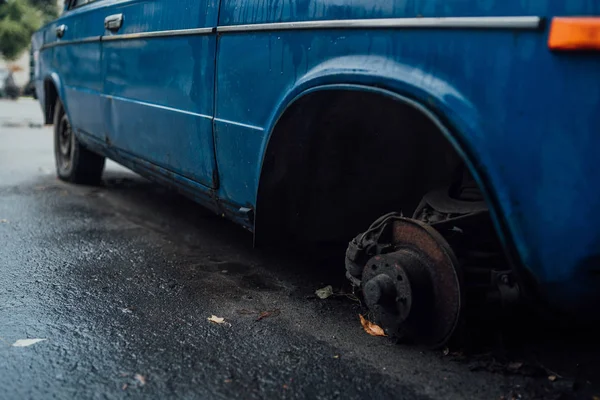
{"points": [[65, 143]]}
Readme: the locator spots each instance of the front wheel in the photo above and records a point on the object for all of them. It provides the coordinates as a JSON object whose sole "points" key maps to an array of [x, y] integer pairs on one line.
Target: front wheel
{"points": [[74, 163]]}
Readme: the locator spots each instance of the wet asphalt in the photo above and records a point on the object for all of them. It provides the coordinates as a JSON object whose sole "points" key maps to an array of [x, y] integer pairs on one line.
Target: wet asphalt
{"points": [[120, 281]]}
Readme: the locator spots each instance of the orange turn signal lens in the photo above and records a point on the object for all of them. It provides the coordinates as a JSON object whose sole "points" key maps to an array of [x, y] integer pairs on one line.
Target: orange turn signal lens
{"points": [[574, 34]]}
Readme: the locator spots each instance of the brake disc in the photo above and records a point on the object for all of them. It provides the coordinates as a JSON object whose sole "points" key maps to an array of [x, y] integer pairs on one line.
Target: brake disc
{"points": [[412, 284]]}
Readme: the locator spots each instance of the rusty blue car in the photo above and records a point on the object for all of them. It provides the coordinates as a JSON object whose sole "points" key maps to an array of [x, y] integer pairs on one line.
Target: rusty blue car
{"points": [[452, 143]]}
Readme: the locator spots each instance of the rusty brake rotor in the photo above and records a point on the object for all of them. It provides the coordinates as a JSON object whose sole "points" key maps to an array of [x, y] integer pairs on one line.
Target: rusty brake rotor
{"points": [[414, 288]]}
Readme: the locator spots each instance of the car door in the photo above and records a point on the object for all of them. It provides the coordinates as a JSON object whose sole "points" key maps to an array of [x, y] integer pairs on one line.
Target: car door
{"points": [[77, 56], [159, 61]]}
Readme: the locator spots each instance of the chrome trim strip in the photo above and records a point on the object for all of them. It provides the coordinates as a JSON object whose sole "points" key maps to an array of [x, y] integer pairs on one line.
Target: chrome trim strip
{"points": [[161, 107], [143, 35], [247, 126], [90, 39], [384, 23], [395, 23]]}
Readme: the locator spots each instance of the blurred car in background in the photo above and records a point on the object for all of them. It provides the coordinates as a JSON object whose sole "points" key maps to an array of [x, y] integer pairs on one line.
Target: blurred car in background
{"points": [[29, 88], [8, 87]]}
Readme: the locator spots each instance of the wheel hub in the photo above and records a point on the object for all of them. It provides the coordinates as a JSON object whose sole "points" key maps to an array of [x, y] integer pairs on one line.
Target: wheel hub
{"points": [[397, 289], [412, 283]]}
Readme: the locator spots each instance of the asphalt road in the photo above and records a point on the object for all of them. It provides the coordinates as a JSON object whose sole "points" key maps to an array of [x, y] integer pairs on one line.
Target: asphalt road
{"points": [[120, 281]]}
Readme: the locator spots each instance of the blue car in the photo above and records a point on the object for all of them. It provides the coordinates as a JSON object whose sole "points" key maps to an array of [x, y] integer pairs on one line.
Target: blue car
{"points": [[454, 144]]}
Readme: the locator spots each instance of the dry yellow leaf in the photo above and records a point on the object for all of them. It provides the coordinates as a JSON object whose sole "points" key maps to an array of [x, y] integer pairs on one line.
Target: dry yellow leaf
{"points": [[141, 379], [325, 292], [216, 320], [371, 328]]}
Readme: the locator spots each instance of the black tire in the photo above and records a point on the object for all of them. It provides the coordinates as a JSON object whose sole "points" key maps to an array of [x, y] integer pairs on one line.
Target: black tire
{"points": [[74, 163]]}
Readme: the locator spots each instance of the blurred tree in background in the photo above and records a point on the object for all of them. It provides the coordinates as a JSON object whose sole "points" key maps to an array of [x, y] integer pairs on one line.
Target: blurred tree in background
{"points": [[47, 7], [18, 20]]}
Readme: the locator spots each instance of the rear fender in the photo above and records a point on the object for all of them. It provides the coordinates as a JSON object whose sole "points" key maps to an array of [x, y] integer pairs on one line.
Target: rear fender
{"points": [[456, 117], [379, 72], [454, 114]]}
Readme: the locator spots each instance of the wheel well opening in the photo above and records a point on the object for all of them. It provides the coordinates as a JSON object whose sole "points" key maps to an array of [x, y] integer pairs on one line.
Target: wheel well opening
{"points": [[338, 160], [50, 99]]}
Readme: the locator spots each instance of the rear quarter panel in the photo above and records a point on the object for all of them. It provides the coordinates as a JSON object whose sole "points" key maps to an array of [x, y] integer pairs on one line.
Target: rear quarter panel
{"points": [[528, 118]]}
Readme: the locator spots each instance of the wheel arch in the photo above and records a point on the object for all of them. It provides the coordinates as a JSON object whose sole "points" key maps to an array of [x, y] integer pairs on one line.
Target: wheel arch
{"points": [[53, 91], [443, 124], [452, 114]]}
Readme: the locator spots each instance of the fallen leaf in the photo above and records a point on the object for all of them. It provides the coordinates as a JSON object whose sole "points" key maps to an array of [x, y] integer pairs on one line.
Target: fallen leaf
{"points": [[3, 221], [336, 356], [124, 387], [267, 314], [325, 292], [228, 381], [141, 379], [216, 320], [552, 378], [285, 386], [27, 342], [371, 328], [514, 365]]}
